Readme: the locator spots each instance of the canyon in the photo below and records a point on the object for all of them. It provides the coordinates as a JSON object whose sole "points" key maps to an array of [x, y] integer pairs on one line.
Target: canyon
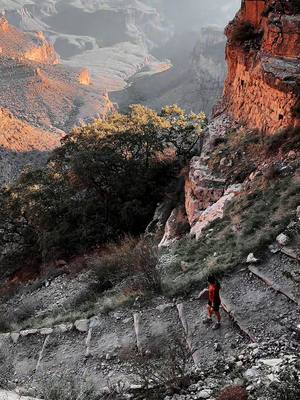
{"points": [[232, 210]]}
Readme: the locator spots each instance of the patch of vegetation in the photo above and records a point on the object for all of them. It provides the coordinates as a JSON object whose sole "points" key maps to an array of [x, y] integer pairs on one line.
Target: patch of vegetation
{"points": [[244, 32], [131, 258], [249, 225], [285, 140], [103, 182], [295, 6]]}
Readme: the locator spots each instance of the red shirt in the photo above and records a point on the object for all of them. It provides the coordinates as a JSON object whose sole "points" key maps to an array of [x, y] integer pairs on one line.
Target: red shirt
{"points": [[214, 293]]}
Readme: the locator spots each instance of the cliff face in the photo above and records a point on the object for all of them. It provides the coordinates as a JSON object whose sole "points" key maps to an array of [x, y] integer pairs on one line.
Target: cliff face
{"points": [[262, 89]]}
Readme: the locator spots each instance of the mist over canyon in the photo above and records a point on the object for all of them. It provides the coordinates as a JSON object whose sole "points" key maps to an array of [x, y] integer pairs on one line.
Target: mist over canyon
{"points": [[122, 41]]}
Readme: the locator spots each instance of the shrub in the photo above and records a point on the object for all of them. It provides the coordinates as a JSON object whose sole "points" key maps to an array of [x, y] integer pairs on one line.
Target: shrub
{"points": [[242, 32], [285, 140], [295, 6], [131, 257], [233, 393]]}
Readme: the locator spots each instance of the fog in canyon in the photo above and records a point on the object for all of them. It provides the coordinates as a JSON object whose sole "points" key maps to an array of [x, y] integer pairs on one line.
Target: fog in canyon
{"points": [[153, 52]]}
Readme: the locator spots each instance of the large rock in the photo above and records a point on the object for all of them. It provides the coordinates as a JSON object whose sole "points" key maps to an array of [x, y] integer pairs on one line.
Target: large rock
{"points": [[215, 211], [176, 226]]}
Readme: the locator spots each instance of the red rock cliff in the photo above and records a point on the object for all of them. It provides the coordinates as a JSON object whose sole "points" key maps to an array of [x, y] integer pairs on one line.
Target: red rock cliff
{"points": [[262, 89]]}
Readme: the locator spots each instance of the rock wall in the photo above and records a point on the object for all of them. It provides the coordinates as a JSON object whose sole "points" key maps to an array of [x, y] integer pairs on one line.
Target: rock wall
{"points": [[262, 89]]}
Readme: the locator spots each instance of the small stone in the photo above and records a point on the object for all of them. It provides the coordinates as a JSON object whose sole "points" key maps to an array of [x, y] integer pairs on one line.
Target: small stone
{"points": [[204, 394], [251, 373], [251, 259], [282, 239], [217, 347], [82, 325]]}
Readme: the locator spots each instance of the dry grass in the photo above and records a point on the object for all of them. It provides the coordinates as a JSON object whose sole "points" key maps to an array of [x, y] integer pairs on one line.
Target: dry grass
{"points": [[131, 258]]}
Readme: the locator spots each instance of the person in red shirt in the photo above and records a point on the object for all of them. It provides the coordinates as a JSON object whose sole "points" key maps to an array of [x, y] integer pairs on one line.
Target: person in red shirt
{"points": [[214, 302]]}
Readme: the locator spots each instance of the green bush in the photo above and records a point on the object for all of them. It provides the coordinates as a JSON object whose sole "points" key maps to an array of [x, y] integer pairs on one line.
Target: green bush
{"points": [[103, 182], [242, 32], [285, 140]]}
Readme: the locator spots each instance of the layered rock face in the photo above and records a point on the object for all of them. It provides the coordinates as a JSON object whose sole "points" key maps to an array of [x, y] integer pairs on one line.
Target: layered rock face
{"points": [[262, 89]]}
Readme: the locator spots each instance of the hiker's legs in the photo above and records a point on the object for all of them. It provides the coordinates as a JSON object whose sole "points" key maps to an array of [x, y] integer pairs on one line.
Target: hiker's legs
{"points": [[218, 315], [210, 311], [208, 319]]}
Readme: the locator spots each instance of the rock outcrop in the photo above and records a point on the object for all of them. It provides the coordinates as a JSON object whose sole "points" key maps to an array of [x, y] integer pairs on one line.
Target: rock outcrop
{"points": [[262, 89], [30, 46], [84, 77]]}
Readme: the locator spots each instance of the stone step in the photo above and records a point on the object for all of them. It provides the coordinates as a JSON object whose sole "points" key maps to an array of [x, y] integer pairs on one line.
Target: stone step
{"points": [[258, 309], [282, 274], [206, 344]]}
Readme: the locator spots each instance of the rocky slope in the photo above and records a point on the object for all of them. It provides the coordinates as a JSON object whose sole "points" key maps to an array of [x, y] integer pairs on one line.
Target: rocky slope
{"points": [[44, 94], [263, 83], [14, 43]]}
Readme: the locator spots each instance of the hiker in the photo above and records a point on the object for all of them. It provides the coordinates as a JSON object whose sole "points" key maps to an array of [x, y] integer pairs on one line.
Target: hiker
{"points": [[214, 301]]}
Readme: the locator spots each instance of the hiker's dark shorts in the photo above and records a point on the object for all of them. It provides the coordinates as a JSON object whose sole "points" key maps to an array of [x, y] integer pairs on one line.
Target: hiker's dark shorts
{"points": [[216, 306]]}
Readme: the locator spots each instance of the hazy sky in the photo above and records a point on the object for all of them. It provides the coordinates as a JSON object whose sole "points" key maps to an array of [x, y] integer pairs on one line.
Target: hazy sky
{"points": [[187, 14]]}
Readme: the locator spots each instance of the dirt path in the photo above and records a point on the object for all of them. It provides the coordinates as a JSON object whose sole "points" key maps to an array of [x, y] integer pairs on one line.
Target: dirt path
{"points": [[104, 347]]}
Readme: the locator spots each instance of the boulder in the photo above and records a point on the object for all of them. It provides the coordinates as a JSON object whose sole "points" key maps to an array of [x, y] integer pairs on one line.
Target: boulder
{"points": [[204, 394], [282, 239], [177, 225]]}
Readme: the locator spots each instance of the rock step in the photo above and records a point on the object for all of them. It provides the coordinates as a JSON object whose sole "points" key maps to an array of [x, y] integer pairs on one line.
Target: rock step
{"points": [[258, 309], [205, 343], [281, 280]]}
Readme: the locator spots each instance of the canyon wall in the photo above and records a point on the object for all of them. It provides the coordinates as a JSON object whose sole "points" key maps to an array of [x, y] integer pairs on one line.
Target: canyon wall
{"points": [[262, 89]]}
